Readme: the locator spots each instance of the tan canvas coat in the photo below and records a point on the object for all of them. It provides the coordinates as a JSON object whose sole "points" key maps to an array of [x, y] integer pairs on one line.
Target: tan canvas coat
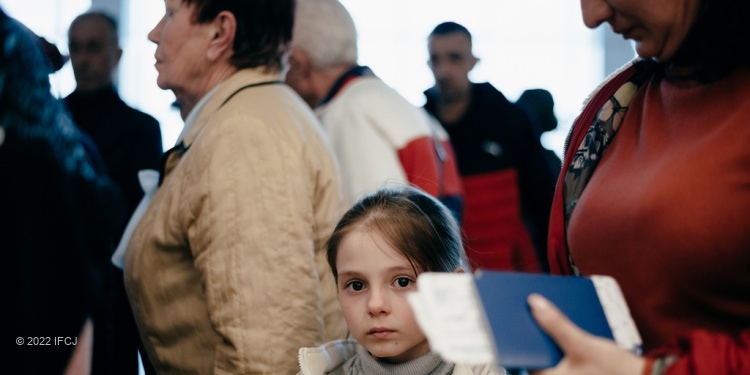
{"points": [[226, 270]]}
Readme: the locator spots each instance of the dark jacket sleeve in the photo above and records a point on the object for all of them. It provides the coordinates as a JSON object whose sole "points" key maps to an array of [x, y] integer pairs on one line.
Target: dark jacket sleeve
{"points": [[536, 181], [144, 151]]}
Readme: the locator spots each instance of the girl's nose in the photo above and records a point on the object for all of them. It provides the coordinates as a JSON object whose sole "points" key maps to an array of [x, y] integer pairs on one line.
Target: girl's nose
{"points": [[378, 303]]}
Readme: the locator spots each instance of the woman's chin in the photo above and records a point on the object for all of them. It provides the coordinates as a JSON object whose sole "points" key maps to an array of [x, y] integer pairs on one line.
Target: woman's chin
{"points": [[162, 83], [650, 51]]}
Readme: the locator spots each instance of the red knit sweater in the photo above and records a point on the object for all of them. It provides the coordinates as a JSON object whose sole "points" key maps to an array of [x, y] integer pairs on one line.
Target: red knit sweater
{"points": [[667, 213]]}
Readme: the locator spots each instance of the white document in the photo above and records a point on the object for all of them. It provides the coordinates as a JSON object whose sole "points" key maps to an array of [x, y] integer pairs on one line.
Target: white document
{"points": [[448, 311], [618, 314]]}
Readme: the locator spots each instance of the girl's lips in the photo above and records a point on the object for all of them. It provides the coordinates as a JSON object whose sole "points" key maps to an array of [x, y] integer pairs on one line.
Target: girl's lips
{"points": [[380, 333]]}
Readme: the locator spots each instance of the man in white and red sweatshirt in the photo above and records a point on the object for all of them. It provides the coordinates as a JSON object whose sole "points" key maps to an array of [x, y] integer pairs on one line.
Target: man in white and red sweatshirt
{"points": [[378, 136]]}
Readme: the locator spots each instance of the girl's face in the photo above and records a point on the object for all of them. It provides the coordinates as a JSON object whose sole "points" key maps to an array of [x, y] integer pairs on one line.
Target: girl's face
{"points": [[373, 280]]}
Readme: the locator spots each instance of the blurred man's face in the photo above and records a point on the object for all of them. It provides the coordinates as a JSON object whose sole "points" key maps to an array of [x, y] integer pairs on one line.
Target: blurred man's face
{"points": [[451, 61], [94, 52], [298, 77]]}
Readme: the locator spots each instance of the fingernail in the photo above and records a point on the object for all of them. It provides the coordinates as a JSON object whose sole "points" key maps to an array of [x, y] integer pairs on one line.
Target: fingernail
{"points": [[538, 303]]}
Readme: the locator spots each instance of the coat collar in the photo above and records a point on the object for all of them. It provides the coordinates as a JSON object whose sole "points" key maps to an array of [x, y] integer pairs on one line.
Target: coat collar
{"points": [[219, 96]]}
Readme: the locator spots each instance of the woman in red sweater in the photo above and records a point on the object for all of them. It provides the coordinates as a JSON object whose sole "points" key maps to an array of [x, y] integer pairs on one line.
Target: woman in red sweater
{"points": [[655, 191]]}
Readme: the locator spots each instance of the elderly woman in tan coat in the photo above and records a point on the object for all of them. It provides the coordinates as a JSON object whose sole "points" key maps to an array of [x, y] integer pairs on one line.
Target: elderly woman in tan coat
{"points": [[225, 270]]}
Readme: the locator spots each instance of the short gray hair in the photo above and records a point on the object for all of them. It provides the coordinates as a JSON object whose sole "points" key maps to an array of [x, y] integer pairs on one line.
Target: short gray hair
{"points": [[325, 30]]}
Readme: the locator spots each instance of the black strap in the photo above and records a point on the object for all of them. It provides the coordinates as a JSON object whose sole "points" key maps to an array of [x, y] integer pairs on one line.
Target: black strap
{"points": [[180, 147], [249, 86]]}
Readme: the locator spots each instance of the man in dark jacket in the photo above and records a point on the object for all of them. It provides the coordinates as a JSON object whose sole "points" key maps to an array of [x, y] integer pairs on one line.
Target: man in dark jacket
{"points": [[507, 186], [128, 141]]}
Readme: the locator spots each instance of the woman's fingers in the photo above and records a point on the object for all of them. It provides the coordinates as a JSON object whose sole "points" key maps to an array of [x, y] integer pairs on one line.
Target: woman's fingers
{"points": [[584, 353], [554, 322]]}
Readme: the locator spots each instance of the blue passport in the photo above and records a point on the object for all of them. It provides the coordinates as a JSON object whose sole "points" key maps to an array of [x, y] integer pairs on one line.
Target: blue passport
{"points": [[521, 343]]}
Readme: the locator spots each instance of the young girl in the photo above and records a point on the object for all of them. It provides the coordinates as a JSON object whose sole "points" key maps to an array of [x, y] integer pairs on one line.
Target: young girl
{"points": [[376, 252]]}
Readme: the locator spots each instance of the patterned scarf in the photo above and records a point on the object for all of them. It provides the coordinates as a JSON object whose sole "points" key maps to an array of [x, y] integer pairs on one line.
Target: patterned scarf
{"points": [[602, 130]]}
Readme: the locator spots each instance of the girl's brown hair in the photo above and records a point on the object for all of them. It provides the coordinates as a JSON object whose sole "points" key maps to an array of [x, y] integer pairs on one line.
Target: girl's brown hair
{"points": [[412, 222]]}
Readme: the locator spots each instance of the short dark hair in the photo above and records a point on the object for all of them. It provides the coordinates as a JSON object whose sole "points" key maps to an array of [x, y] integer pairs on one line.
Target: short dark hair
{"points": [[716, 44], [449, 28], [264, 28], [106, 17], [412, 222]]}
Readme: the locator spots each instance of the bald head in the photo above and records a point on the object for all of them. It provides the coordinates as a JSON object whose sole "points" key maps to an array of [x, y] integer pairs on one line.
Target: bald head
{"points": [[94, 50]]}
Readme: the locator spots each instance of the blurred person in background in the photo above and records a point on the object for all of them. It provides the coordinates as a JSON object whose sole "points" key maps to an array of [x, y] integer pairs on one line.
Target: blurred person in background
{"points": [[540, 107], [378, 136], [128, 141], [505, 177], [59, 215]]}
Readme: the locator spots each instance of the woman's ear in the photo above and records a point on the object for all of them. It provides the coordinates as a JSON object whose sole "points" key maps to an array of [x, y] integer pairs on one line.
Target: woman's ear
{"points": [[224, 30]]}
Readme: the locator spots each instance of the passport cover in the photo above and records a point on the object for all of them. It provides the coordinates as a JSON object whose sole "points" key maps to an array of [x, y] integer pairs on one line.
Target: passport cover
{"points": [[520, 342]]}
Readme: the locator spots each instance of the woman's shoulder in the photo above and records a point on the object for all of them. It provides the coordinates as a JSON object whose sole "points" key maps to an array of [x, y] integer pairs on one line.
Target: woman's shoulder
{"points": [[324, 359]]}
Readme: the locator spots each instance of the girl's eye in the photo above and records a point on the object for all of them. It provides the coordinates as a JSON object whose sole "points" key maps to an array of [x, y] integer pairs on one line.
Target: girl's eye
{"points": [[403, 282], [355, 285]]}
